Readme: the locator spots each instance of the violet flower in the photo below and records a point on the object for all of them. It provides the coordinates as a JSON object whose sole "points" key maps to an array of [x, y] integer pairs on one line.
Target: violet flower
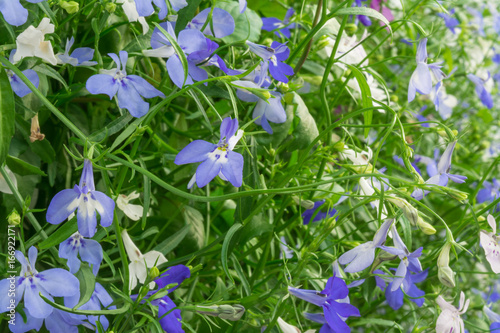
{"points": [[18, 86], [87, 200], [420, 80], [145, 7], [80, 56], [363, 255], [365, 20], [275, 55], [129, 88], [55, 282], [481, 91], [320, 215], [330, 299], [395, 297], [490, 192], [217, 159], [450, 22], [13, 12], [90, 251], [222, 23], [283, 27]]}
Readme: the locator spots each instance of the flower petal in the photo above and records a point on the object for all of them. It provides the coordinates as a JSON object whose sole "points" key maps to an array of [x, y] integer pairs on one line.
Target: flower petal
{"points": [[62, 205], [130, 99], [105, 206], [102, 84]]}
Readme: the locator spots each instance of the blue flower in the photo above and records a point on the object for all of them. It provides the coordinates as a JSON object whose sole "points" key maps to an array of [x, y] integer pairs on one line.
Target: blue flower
{"points": [[222, 23], [443, 102], [18, 86], [363, 255], [365, 20], [420, 80], [90, 251], [87, 200], [320, 215], [13, 12], [449, 21], [409, 261], [128, 88], [217, 159], [395, 297], [494, 318], [442, 176], [400, 161], [272, 23], [332, 300], [79, 57], [145, 7], [57, 321], [490, 192], [242, 5], [55, 282], [274, 55], [481, 91]]}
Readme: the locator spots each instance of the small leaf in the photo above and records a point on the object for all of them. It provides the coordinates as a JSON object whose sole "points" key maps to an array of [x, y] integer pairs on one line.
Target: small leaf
{"points": [[50, 72], [364, 11], [60, 235], [23, 168], [306, 129], [366, 95], [7, 115], [225, 248], [87, 284], [171, 242], [112, 128]]}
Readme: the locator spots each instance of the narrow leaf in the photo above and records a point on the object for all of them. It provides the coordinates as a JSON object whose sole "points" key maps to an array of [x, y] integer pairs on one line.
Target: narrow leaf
{"points": [[60, 235], [87, 284], [225, 248], [7, 115], [366, 100]]}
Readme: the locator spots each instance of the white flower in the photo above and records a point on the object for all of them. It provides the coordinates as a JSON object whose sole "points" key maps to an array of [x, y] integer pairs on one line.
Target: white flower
{"points": [[134, 212], [31, 43], [4, 187], [133, 16], [449, 320], [489, 242], [362, 158], [349, 51], [140, 263], [286, 327]]}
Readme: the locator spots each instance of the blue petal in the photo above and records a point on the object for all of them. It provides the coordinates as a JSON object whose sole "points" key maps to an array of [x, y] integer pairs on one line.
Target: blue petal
{"points": [[274, 110], [422, 50], [178, 4], [169, 322], [144, 7], [102, 84], [222, 21], [31, 323], [333, 319], [394, 298], [91, 252], [86, 217], [358, 258], [62, 205], [197, 73], [105, 206], [158, 39], [228, 128], [335, 288], [130, 99], [87, 177], [19, 87], [196, 151], [191, 40], [176, 71], [233, 168], [83, 54], [143, 87], [311, 296], [163, 8], [34, 303], [59, 282], [207, 171], [242, 5], [13, 12], [175, 274]]}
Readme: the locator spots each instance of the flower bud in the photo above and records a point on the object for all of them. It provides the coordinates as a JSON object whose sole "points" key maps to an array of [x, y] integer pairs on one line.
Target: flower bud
{"points": [[481, 219], [410, 212], [456, 194], [154, 272], [70, 7], [110, 7], [14, 218], [224, 311], [351, 28], [426, 228], [445, 274], [306, 204]]}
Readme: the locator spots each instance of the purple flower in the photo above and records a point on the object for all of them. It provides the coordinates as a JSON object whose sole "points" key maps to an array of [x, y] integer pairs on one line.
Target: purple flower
{"points": [[57, 321], [443, 102], [99, 299], [431, 163], [409, 261], [332, 300], [494, 318], [90, 251], [272, 23], [420, 80], [79, 57], [490, 192], [18, 86], [449, 21], [222, 23], [55, 282], [481, 91], [217, 159], [365, 20], [442, 176], [320, 215], [274, 55], [145, 7], [13, 12], [87, 200], [128, 88], [400, 161], [363, 255], [395, 297]]}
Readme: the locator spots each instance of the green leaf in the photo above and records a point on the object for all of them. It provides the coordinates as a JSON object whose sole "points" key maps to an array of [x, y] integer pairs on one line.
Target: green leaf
{"points": [[364, 11], [64, 232], [225, 248], [376, 321], [112, 128], [366, 95], [7, 115], [50, 72], [306, 129], [147, 195], [23, 168], [171, 242], [247, 24], [87, 284]]}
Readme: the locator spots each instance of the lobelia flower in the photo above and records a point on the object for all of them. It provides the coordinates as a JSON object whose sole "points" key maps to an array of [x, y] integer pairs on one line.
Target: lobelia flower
{"points": [[283, 27], [442, 176], [286, 327], [443, 102], [80, 56], [13, 12], [363, 255], [400, 161], [87, 200], [335, 310], [54, 282], [376, 4], [58, 321], [320, 215], [217, 159], [494, 318], [31, 43], [430, 163], [490, 192], [449, 21], [18, 86], [134, 212], [489, 242], [130, 89], [274, 56], [409, 261], [145, 7], [481, 90], [222, 23], [449, 320], [100, 298], [365, 20], [420, 80], [90, 251], [4, 187], [395, 298], [130, 9]]}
